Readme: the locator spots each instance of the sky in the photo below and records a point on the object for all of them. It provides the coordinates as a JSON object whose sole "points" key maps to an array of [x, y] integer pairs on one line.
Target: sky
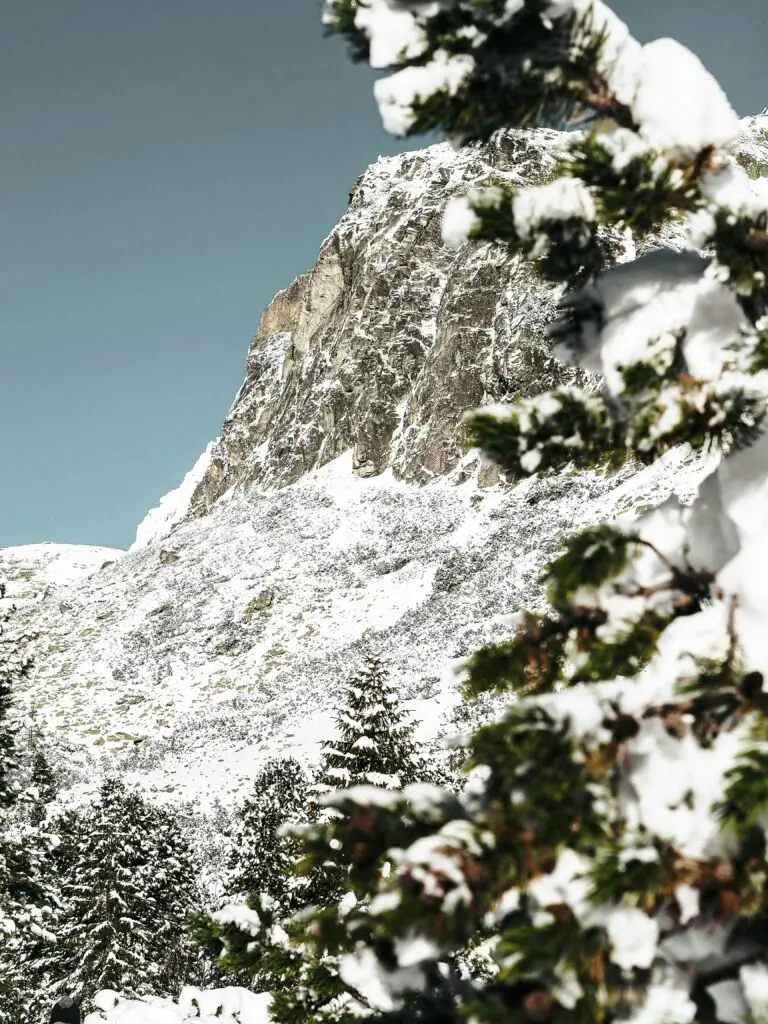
{"points": [[167, 166]]}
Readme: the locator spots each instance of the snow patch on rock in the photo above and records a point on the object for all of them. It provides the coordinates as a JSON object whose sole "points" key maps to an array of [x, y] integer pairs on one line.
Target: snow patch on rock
{"points": [[173, 506]]}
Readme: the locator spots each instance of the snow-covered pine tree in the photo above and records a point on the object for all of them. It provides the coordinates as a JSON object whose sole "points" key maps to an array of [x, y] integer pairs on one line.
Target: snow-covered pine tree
{"points": [[128, 881], [173, 872], [43, 787], [375, 744], [105, 932], [32, 890], [42, 778], [609, 850], [262, 855], [261, 879]]}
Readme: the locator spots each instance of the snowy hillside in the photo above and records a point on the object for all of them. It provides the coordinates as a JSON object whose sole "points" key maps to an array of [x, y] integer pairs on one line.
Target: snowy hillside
{"points": [[31, 570], [229, 645]]}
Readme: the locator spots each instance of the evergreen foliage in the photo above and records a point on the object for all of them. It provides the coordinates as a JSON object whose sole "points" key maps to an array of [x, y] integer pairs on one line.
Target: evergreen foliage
{"points": [[27, 899], [43, 785], [128, 881], [606, 860], [43, 779], [15, 666], [28, 906], [262, 941], [263, 854], [374, 744]]}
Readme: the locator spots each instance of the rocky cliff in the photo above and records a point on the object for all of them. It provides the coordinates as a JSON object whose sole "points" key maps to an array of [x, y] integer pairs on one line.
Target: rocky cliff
{"points": [[337, 509], [383, 346]]}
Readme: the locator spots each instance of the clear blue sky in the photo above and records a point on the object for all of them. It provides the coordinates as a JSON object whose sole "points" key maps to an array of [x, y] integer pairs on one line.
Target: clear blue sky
{"points": [[167, 165]]}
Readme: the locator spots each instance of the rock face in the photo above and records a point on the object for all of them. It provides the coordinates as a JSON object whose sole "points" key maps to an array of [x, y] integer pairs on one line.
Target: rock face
{"points": [[392, 336], [336, 513]]}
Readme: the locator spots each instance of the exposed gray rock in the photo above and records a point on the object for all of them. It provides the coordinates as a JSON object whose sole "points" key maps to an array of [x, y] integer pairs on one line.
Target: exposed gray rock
{"points": [[392, 336], [261, 603]]}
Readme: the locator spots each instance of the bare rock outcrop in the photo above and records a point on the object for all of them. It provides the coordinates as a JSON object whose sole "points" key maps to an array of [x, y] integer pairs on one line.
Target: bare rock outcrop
{"points": [[392, 336]]}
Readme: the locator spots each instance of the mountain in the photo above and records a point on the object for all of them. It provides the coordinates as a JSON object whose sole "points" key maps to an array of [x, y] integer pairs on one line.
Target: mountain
{"points": [[336, 511]]}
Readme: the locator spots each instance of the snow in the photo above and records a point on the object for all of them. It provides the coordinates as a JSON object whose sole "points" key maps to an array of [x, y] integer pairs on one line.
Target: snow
{"points": [[562, 199], [173, 506], [415, 949], [634, 937], [459, 221], [730, 187], [567, 883], [190, 704], [32, 567], [651, 297], [215, 1006], [730, 1005], [530, 460], [625, 146], [393, 35], [716, 318], [241, 916], [667, 1001], [688, 900], [397, 93], [679, 105], [362, 972], [754, 978]]}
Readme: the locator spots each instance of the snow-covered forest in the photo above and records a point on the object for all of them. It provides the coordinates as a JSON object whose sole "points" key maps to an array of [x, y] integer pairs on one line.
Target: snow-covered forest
{"points": [[585, 841]]}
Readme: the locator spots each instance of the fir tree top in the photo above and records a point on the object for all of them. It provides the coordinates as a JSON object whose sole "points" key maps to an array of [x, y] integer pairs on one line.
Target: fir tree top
{"points": [[375, 742]]}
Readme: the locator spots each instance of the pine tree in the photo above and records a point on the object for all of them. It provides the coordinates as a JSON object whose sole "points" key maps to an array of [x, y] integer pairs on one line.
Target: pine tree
{"points": [[174, 890], [261, 873], [43, 785], [608, 853], [105, 933], [375, 744], [31, 889], [262, 854], [43, 779], [128, 881]]}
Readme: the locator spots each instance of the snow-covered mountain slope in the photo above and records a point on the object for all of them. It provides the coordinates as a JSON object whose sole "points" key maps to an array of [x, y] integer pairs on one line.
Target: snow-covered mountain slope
{"points": [[229, 644], [31, 570], [335, 511]]}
